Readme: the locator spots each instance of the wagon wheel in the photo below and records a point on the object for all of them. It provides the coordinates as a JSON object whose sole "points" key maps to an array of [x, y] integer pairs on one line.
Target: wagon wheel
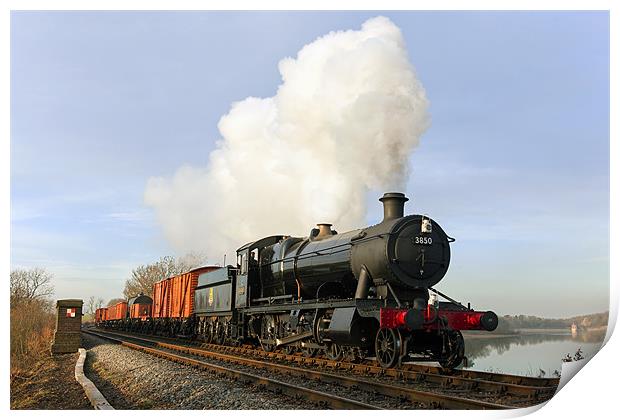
{"points": [[334, 352], [207, 332], [388, 345], [456, 346], [308, 351]]}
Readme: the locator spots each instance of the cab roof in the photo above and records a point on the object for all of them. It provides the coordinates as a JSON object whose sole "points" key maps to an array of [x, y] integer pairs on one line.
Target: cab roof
{"points": [[269, 240]]}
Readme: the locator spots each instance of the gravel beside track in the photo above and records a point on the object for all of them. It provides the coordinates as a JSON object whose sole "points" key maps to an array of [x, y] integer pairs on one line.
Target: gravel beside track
{"points": [[353, 393], [133, 380]]}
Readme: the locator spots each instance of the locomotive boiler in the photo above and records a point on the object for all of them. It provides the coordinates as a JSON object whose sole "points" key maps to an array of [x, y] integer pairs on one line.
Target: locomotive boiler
{"points": [[401, 256]]}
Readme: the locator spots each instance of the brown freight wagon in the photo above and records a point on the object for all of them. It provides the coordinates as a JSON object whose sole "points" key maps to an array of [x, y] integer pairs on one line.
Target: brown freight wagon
{"points": [[161, 291], [140, 307], [101, 315], [116, 312], [174, 296]]}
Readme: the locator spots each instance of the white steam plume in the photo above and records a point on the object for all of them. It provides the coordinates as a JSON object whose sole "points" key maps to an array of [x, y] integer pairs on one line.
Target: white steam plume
{"points": [[345, 119]]}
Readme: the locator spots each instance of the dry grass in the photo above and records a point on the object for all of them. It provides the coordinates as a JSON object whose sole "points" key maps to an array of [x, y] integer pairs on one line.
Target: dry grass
{"points": [[49, 385], [32, 330], [38, 379]]}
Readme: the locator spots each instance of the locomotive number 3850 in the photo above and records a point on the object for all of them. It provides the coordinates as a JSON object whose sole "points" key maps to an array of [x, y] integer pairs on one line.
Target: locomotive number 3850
{"points": [[422, 240]]}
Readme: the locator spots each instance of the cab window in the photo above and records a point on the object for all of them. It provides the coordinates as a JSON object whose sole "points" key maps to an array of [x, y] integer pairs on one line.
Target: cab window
{"points": [[244, 263]]}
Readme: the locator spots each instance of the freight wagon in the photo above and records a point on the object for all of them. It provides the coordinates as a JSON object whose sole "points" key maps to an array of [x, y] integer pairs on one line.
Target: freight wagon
{"points": [[173, 303], [100, 315], [140, 307]]}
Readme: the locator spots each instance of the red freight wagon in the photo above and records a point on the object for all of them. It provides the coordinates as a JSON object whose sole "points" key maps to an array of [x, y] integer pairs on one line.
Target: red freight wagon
{"points": [[118, 311], [174, 297]]}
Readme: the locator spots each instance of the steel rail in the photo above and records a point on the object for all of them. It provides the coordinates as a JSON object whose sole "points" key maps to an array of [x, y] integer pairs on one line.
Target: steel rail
{"points": [[291, 390]]}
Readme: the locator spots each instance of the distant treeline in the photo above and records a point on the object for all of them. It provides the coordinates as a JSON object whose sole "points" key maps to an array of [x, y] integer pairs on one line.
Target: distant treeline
{"points": [[510, 323]]}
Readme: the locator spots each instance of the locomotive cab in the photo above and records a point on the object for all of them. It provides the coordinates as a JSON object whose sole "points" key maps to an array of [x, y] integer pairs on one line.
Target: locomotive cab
{"points": [[248, 276]]}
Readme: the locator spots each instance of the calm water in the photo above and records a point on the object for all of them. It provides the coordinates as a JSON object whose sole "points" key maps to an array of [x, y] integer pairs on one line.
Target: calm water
{"points": [[530, 352]]}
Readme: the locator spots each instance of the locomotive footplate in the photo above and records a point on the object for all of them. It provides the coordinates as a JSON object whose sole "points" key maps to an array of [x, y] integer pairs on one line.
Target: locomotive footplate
{"points": [[366, 307]]}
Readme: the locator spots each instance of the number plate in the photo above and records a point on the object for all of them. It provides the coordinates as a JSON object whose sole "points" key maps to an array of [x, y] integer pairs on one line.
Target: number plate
{"points": [[422, 240]]}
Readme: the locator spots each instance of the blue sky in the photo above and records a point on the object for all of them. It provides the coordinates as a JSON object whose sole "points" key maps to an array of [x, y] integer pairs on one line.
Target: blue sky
{"points": [[515, 164]]}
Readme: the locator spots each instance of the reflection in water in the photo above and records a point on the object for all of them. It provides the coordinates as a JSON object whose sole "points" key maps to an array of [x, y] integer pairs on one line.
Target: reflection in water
{"points": [[529, 353]]}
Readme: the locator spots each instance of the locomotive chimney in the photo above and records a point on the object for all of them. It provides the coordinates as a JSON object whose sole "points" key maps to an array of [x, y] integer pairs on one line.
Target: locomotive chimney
{"points": [[325, 229], [393, 205]]}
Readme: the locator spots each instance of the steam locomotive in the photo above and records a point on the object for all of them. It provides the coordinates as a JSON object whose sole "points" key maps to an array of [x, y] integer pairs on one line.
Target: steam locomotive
{"points": [[364, 293]]}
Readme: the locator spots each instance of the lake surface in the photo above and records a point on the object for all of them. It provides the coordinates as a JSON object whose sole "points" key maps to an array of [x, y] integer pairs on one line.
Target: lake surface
{"points": [[529, 352]]}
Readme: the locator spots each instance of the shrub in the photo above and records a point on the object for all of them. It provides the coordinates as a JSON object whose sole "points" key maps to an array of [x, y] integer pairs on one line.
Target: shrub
{"points": [[32, 317], [32, 330]]}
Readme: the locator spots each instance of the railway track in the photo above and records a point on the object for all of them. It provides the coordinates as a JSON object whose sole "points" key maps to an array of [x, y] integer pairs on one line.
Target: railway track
{"points": [[397, 390], [521, 390], [518, 386]]}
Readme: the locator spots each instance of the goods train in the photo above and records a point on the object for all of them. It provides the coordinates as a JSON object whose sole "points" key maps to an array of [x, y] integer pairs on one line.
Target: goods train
{"points": [[358, 294]]}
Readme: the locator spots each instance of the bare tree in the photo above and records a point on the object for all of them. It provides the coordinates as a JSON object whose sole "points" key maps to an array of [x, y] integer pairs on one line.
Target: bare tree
{"points": [[145, 276], [99, 303], [30, 285], [90, 305]]}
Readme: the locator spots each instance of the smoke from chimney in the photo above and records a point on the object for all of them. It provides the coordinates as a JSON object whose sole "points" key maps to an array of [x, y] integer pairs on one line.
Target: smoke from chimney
{"points": [[344, 121]]}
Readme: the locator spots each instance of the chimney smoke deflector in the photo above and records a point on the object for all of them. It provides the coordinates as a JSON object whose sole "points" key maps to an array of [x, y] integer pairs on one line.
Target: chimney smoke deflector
{"points": [[393, 205]]}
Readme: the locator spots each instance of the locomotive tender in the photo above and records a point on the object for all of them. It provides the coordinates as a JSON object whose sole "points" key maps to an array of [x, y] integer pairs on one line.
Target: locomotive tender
{"points": [[356, 294]]}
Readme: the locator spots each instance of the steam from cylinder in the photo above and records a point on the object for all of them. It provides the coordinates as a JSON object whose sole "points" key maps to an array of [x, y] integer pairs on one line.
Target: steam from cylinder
{"points": [[344, 121]]}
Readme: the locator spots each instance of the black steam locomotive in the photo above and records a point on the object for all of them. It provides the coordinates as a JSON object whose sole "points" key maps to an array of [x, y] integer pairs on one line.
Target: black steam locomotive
{"points": [[357, 294]]}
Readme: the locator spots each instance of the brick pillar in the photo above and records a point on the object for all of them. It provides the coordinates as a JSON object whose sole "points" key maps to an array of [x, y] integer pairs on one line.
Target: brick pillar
{"points": [[67, 337]]}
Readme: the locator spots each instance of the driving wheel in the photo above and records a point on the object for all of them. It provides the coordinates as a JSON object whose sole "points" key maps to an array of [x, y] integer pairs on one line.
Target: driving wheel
{"points": [[268, 333], [308, 351], [334, 352]]}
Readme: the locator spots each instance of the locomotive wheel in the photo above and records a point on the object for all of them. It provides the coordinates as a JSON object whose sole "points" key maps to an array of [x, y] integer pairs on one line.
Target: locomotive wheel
{"points": [[267, 333], [356, 355], [388, 345], [267, 347], [456, 345], [289, 349], [308, 352], [334, 352]]}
